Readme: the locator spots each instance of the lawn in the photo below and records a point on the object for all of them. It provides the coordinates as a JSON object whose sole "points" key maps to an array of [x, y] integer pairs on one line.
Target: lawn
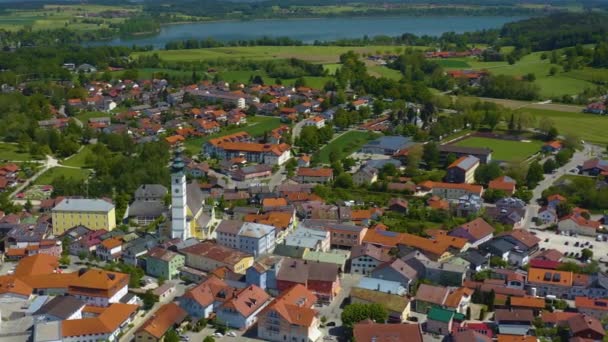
{"points": [[589, 127], [56, 172], [317, 54], [12, 152], [382, 71], [346, 144], [79, 159], [256, 126], [332, 67], [86, 115], [452, 63], [504, 150]]}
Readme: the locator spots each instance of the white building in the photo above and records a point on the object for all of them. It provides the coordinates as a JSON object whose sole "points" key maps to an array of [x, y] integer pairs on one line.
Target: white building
{"points": [[179, 224]]}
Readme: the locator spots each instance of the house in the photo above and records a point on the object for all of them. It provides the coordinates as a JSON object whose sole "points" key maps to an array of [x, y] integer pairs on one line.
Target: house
{"points": [[482, 153], [365, 175], [381, 285], [476, 232], [303, 160], [428, 296], [200, 301], [398, 307], [252, 172], [547, 215], [462, 170], [92, 213], [554, 200], [107, 326], [594, 167], [459, 299], [166, 317], [586, 327], [110, 249], [366, 258], [398, 205], [313, 239], [229, 147], [322, 278], [145, 212], [596, 108], [368, 331], [438, 250], [273, 203], [164, 263], [387, 145], [314, 175], [595, 307], [452, 191], [263, 273], [87, 243], [536, 304], [248, 237], [514, 321], [503, 183], [207, 256], [315, 121], [553, 146], [396, 270], [241, 310], [290, 317], [577, 224], [439, 320], [467, 335]]}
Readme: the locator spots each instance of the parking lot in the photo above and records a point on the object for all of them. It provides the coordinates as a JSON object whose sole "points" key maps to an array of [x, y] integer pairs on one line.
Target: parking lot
{"points": [[558, 242]]}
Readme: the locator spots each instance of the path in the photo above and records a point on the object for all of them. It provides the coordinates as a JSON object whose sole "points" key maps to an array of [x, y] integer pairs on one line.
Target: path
{"points": [[297, 129], [515, 104], [50, 163]]}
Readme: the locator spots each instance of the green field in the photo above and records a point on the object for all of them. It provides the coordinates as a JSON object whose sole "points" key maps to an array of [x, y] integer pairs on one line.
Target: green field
{"points": [[256, 126], [504, 150], [79, 159], [589, 127], [317, 54], [12, 152], [56, 172], [562, 83], [85, 116], [346, 144], [332, 67], [382, 71]]}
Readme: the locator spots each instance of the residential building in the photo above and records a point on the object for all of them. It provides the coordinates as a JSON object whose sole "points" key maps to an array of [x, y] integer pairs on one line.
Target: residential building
{"points": [[252, 238], [476, 232], [462, 170], [164, 263], [365, 175], [398, 307], [429, 296], [110, 249], [368, 331], [314, 175], [290, 317], [229, 147], [396, 270], [514, 321], [151, 193], [398, 205], [595, 307], [94, 214], [201, 300], [241, 310], [263, 273], [365, 258], [315, 121], [503, 183], [60, 308], [452, 191], [313, 239], [166, 317], [439, 320], [586, 328], [459, 300], [594, 167], [207, 256], [323, 279], [577, 224]]}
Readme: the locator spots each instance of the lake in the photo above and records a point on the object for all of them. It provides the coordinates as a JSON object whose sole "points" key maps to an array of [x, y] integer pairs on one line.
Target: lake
{"points": [[309, 30]]}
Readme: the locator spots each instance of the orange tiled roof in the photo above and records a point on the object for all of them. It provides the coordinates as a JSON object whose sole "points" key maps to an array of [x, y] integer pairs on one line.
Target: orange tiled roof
{"points": [[315, 172], [295, 306], [111, 243], [454, 298], [13, 285], [36, 265], [174, 139], [516, 338], [542, 276], [163, 319], [107, 322], [274, 202], [278, 219], [528, 302], [591, 303], [248, 300], [432, 246]]}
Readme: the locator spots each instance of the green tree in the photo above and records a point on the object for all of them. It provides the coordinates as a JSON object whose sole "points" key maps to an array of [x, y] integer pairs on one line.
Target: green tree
{"points": [[549, 165], [358, 312], [171, 336], [535, 174], [344, 181], [487, 172], [586, 254], [209, 339], [430, 155]]}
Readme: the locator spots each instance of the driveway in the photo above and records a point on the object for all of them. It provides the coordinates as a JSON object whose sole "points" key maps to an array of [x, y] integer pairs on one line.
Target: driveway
{"points": [[333, 311]]}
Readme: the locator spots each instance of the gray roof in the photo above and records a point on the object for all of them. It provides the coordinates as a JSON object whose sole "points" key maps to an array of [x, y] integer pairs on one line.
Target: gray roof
{"points": [[47, 332], [498, 246], [256, 230], [61, 307], [390, 142], [84, 204], [151, 191], [146, 208], [474, 257], [229, 227], [467, 163], [386, 286], [379, 163], [194, 198]]}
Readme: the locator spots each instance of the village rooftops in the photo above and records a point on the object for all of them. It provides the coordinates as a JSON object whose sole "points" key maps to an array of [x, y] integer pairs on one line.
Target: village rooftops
{"points": [[248, 300], [107, 322], [295, 306], [315, 172], [367, 331], [162, 254], [163, 319], [84, 204], [465, 163], [432, 294], [216, 252]]}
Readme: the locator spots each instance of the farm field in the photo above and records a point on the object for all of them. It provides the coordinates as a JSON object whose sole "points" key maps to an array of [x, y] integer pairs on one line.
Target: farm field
{"points": [[317, 54], [345, 144], [256, 126], [11, 152], [589, 127], [504, 150], [56, 172]]}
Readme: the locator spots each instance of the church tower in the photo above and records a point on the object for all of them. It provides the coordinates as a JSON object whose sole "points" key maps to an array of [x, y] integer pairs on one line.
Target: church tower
{"points": [[179, 223]]}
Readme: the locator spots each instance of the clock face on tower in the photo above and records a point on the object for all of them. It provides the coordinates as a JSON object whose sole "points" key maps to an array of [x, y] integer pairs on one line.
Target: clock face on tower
{"points": [[177, 191]]}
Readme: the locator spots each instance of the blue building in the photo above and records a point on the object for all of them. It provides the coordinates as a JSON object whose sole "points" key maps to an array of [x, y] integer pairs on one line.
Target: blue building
{"points": [[263, 273]]}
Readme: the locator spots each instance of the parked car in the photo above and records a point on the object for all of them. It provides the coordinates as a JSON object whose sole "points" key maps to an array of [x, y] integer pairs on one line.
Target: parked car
{"points": [[576, 244], [331, 324]]}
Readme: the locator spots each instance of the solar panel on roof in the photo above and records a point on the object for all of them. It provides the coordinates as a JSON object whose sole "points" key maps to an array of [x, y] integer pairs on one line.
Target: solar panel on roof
{"points": [[387, 233]]}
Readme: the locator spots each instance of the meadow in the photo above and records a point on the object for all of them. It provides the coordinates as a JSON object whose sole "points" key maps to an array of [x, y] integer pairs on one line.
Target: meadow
{"points": [[79, 159], [12, 152], [504, 150], [54, 173], [589, 127]]}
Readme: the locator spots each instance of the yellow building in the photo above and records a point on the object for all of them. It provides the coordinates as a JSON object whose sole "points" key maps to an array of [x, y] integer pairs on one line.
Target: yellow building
{"points": [[92, 213]]}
